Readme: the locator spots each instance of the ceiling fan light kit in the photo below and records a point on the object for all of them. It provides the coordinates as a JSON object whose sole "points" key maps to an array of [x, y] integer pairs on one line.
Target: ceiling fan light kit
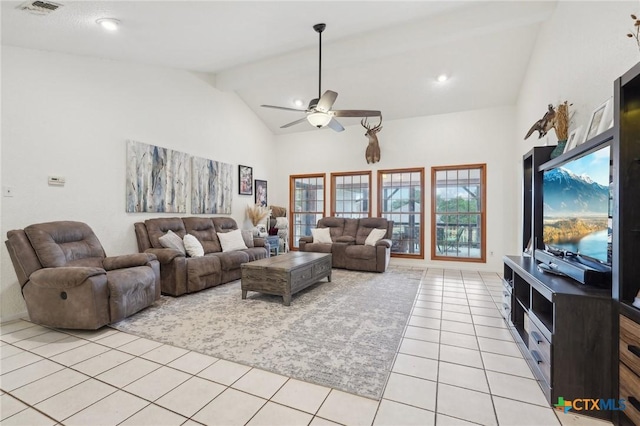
{"points": [[319, 113], [319, 119]]}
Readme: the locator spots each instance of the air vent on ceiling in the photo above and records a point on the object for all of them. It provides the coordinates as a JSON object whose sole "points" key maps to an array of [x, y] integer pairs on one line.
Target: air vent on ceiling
{"points": [[39, 7]]}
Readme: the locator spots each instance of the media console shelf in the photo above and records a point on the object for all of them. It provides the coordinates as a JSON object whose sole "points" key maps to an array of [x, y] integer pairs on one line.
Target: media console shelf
{"points": [[564, 330], [626, 240]]}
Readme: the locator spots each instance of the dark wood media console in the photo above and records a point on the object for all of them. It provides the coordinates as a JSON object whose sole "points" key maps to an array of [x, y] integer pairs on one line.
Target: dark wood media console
{"points": [[626, 240], [575, 336], [564, 330]]}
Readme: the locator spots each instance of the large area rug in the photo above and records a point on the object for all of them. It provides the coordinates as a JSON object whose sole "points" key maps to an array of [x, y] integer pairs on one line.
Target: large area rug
{"points": [[343, 334]]}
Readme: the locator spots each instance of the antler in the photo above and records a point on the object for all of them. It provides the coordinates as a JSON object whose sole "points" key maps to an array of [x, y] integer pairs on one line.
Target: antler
{"points": [[366, 125]]}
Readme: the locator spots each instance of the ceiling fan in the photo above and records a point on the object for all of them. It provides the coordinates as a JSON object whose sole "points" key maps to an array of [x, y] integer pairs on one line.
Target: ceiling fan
{"points": [[319, 112]]}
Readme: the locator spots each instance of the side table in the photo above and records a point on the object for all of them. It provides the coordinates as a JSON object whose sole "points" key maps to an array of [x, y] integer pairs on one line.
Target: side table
{"points": [[274, 244]]}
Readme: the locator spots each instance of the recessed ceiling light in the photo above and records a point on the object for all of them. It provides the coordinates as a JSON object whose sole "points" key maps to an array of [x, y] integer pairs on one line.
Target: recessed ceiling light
{"points": [[109, 24], [298, 103], [442, 78]]}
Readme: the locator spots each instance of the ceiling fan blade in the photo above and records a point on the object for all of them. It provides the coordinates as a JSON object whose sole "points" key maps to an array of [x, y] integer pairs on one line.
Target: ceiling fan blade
{"points": [[335, 125], [293, 123], [356, 113], [284, 108], [326, 101]]}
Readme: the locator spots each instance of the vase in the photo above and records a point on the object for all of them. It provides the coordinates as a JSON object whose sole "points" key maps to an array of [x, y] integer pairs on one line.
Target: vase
{"points": [[559, 149], [259, 231]]}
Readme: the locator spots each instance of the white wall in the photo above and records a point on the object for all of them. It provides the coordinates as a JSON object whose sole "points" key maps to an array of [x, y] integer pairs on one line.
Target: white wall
{"points": [[580, 51], [481, 136], [71, 115]]}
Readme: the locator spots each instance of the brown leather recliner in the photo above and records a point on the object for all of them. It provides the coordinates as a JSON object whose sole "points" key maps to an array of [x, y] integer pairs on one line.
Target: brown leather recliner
{"points": [[68, 282]]}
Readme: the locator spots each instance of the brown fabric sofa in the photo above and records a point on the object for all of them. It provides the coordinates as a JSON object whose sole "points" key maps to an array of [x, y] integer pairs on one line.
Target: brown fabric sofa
{"points": [[348, 250], [180, 274], [68, 282]]}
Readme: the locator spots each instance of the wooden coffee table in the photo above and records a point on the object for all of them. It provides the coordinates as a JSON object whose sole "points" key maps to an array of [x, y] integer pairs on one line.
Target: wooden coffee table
{"points": [[286, 274]]}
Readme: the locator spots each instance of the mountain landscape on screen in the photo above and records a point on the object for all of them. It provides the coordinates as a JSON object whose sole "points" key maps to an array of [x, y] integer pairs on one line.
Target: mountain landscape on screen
{"points": [[575, 213], [566, 193]]}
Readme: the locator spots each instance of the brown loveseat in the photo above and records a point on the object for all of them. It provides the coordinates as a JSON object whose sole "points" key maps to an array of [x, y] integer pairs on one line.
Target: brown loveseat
{"points": [[180, 274], [348, 249], [68, 282]]}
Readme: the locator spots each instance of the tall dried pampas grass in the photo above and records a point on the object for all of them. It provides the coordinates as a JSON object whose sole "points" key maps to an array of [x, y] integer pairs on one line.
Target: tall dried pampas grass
{"points": [[257, 213]]}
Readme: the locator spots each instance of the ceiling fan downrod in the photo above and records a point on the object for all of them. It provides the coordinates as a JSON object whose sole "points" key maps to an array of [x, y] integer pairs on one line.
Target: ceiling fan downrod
{"points": [[319, 28]]}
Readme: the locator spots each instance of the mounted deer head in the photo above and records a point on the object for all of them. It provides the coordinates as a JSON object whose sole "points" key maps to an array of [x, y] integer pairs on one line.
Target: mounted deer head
{"points": [[372, 154]]}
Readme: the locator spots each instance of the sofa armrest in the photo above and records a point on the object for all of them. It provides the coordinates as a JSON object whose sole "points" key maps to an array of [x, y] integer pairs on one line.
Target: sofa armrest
{"points": [[385, 242], [164, 255], [303, 241], [64, 277], [128, 261], [260, 242]]}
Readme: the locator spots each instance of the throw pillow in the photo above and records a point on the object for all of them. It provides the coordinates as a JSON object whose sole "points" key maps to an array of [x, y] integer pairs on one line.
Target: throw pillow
{"points": [[247, 237], [193, 246], [173, 241], [231, 241], [321, 235], [374, 236]]}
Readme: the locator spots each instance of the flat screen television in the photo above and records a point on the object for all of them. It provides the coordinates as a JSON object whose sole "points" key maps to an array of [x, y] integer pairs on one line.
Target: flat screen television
{"points": [[577, 207]]}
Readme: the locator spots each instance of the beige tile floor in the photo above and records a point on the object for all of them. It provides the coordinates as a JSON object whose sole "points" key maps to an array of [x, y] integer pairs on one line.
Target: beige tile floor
{"points": [[456, 365]]}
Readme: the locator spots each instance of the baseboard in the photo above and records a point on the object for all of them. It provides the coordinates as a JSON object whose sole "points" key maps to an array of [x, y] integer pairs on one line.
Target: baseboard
{"points": [[13, 317]]}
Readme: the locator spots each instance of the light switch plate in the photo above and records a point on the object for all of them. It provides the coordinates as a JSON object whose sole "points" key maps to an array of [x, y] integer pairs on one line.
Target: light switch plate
{"points": [[56, 180]]}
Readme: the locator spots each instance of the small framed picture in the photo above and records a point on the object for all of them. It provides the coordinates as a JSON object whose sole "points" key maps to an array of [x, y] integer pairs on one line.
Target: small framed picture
{"points": [[261, 192], [572, 140], [599, 121], [245, 180]]}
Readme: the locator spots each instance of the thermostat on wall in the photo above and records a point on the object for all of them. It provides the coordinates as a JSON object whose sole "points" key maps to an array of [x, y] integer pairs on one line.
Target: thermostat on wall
{"points": [[56, 180]]}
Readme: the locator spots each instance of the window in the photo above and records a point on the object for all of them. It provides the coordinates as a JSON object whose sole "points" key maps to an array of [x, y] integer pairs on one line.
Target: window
{"points": [[350, 194], [400, 199], [458, 213], [306, 205]]}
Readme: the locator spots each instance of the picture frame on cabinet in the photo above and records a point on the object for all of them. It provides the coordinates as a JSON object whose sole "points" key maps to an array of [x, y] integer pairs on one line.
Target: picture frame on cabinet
{"points": [[600, 119], [572, 140]]}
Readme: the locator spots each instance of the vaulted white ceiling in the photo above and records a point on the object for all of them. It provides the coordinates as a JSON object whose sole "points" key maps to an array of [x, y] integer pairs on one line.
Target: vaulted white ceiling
{"points": [[381, 55]]}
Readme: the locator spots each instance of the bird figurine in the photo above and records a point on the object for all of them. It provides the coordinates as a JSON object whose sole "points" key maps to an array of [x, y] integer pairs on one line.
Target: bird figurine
{"points": [[543, 125]]}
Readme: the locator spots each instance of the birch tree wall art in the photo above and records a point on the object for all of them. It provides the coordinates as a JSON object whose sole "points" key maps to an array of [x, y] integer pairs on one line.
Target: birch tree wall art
{"points": [[156, 179], [211, 186]]}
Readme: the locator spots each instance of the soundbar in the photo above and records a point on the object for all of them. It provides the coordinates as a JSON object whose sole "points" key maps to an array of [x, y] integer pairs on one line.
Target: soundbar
{"points": [[582, 270]]}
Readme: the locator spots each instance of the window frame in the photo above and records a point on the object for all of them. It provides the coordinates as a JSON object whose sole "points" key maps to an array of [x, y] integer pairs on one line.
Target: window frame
{"points": [[292, 212], [421, 170], [482, 212], [333, 177]]}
